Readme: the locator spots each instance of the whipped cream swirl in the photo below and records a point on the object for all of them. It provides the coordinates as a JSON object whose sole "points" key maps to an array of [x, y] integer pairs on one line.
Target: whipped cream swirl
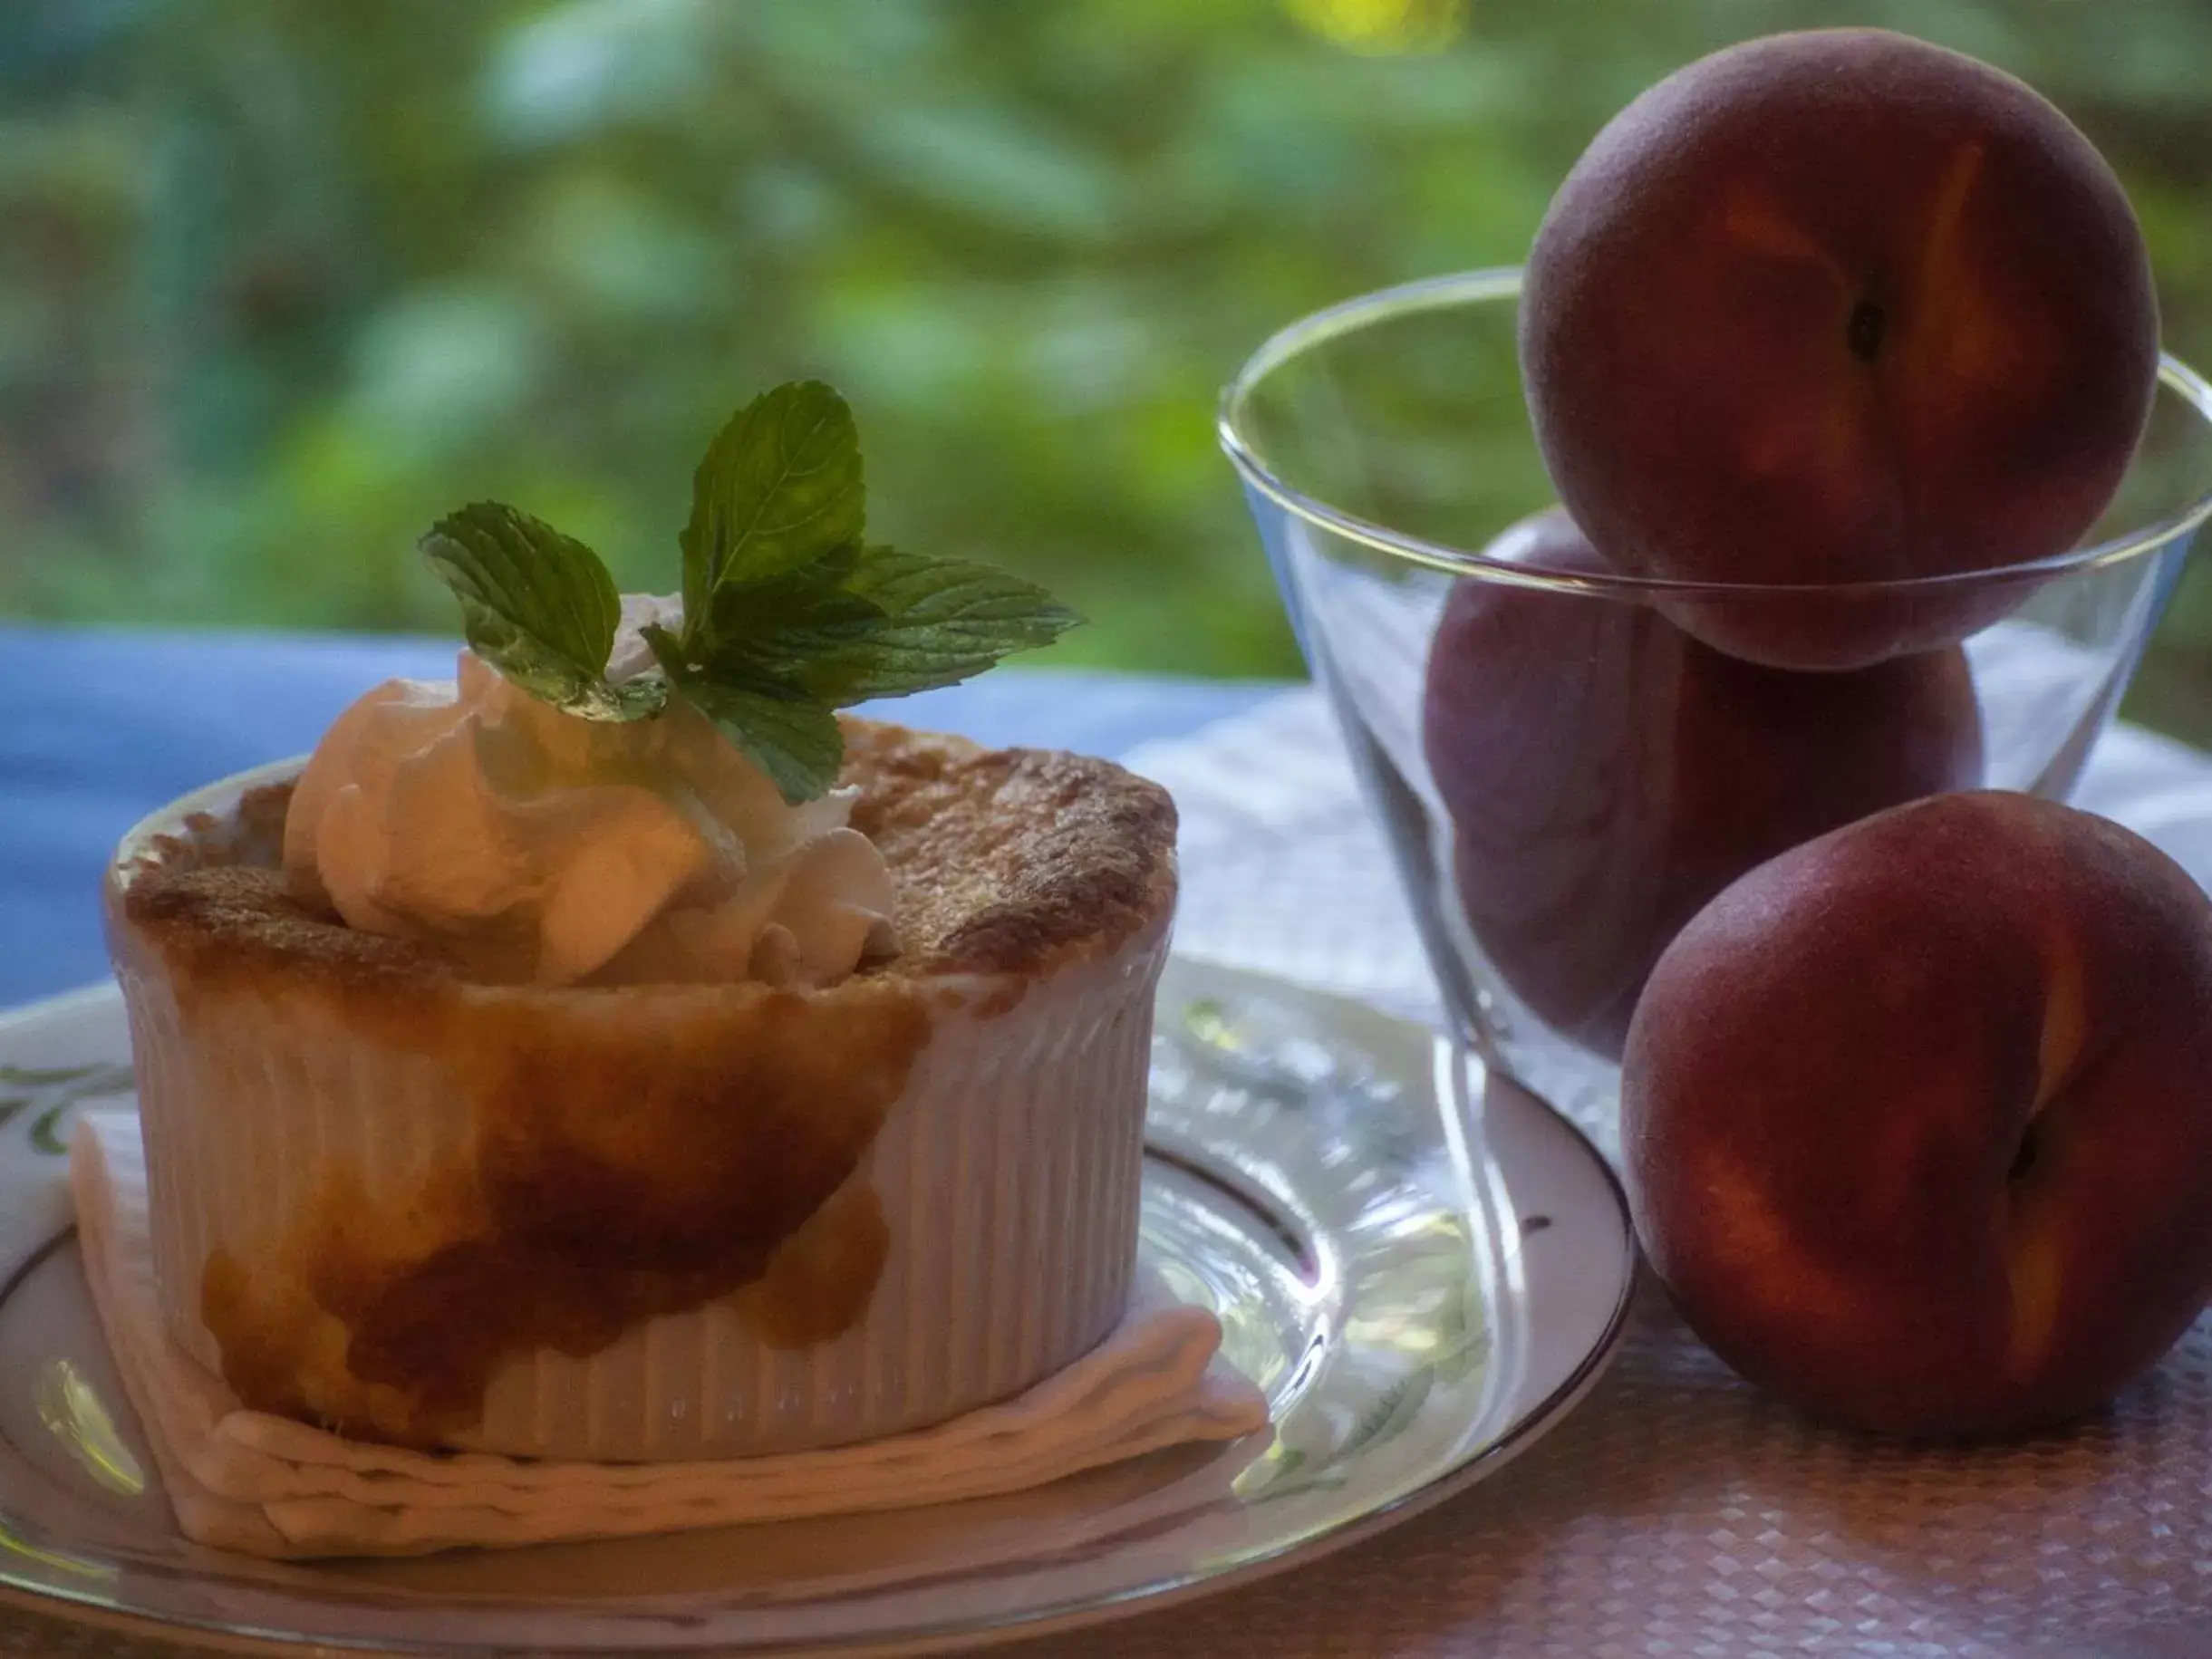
{"points": [[539, 846]]}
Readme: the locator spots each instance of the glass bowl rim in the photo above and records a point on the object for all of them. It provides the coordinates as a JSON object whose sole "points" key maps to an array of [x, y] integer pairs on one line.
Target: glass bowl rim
{"points": [[1501, 282]]}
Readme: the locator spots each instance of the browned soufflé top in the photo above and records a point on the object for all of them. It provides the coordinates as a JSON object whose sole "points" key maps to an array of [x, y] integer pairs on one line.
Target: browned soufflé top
{"points": [[1002, 861], [1006, 858], [638, 1149]]}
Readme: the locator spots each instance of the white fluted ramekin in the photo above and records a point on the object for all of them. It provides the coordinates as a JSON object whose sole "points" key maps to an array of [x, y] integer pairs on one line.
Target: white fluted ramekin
{"points": [[1007, 1171]]}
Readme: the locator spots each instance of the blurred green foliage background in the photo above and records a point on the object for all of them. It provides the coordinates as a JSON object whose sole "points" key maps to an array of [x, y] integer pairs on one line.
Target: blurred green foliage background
{"points": [[283, 279]]}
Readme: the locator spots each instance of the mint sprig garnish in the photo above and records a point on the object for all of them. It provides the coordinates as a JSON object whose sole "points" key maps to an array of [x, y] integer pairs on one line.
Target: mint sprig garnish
{"points": [[789, 614]]}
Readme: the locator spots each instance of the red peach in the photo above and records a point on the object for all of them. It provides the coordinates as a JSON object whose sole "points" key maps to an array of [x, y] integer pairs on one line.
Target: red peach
{"points": [[1605, 775], [1916, 1121], [1838, 306]]}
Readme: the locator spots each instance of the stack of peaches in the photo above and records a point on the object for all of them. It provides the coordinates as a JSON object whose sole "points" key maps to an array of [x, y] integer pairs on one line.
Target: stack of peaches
{"points": [[1916, 1107]]}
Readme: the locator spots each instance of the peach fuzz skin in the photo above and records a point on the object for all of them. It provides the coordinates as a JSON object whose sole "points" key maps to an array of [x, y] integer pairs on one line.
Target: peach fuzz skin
{"points": [[1916, 1120], [1607, 775], [1838, 306]]}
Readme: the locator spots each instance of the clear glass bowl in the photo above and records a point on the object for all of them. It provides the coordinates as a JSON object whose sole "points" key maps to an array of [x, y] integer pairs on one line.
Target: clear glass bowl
{"points": [[1563, 774]]}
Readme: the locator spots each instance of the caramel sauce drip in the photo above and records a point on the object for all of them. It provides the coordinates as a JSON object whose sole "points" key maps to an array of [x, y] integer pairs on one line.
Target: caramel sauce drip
{"points": [[264, 1375], [818, 1284], [622, 1170]]}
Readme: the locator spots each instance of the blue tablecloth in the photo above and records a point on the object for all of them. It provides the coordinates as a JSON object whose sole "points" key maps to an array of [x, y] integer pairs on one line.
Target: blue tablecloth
{"points": [[100, 728]]}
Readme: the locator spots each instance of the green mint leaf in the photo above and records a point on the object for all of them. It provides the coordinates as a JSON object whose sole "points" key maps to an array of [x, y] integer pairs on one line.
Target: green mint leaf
{"points": [[946, 621], [793, 738], [539, 607], [780, 488], [787, 733], [627, 699], [787, 621]]}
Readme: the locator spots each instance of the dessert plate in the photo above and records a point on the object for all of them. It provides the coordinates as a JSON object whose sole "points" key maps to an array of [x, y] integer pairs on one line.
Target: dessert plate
{"points": [[1422, 1275]]}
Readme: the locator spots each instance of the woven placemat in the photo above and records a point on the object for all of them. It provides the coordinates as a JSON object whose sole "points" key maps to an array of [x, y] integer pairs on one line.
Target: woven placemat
{"points": [[1679, 1511]]}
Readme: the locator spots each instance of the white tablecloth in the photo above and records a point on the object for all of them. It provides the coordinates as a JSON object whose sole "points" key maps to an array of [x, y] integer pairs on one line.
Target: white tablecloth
{"points": [[1676, 1512]]}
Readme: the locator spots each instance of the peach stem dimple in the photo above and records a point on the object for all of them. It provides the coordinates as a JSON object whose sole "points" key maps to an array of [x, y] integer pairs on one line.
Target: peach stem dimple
{"points": [[1863, 333]]}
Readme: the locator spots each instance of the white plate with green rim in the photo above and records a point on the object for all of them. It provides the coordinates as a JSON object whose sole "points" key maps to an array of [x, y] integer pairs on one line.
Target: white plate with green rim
{"points": [[1422, 1286]]}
